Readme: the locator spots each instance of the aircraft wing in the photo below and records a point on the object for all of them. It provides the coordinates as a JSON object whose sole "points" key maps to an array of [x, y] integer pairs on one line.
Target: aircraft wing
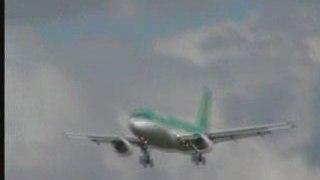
{"points": [[239, 133], [102, 138]]}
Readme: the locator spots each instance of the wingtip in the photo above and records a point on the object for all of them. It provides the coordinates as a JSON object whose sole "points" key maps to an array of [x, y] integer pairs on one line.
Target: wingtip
{"points": [[64, 134], [291, 124]]}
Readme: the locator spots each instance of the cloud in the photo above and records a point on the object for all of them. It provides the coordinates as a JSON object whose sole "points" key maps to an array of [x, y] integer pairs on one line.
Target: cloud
{"points": [[270, 62], [40, 103], [46, 94], [314, 48], [230, 40], [261, 70], [37, 11], [267, 164], [208, 44], [45, 10]]}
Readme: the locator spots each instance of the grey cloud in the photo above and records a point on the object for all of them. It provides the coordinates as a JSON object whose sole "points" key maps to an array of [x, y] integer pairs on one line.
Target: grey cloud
{"points": [[267, 62], [92, 85], [49, 9], [35, 11], [42, 101]]}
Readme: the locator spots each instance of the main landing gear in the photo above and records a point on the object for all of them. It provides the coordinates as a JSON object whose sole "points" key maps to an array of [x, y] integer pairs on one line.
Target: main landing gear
{"points": [[198, 158], [145, 159]]}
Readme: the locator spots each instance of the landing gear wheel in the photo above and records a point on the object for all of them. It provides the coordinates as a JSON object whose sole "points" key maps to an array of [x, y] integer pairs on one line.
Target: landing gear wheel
{"points": [[203, 161], [145, 159], [198, 158], [141, 159], [151, 163], [144, 165], [197, 163]]}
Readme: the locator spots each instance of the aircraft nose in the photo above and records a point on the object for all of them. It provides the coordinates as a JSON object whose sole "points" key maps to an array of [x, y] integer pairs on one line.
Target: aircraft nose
{"points": [[137, 126], [132, 124]]}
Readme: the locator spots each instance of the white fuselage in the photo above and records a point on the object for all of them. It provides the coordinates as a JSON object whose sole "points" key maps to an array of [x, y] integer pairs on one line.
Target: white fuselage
{"points": [[159, 135]]}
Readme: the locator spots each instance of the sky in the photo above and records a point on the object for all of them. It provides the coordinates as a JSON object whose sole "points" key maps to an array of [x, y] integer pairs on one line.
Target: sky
{"points": [[84, 66]]}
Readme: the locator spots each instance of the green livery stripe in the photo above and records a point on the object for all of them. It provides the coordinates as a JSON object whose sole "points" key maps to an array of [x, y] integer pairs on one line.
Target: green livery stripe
{"points": [[167, 121], [199, 126]]}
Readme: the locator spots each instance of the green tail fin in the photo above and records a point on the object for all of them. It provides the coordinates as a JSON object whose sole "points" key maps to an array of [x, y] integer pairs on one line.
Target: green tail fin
{"points": [[204, 110]]}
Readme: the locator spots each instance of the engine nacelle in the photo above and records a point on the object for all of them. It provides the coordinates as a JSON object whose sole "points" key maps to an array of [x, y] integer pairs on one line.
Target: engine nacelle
{"points": [[122, 146], [202, 142]]}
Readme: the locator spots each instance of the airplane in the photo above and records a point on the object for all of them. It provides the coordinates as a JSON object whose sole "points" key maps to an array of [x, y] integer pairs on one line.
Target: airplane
{"points": [[153, 129]]}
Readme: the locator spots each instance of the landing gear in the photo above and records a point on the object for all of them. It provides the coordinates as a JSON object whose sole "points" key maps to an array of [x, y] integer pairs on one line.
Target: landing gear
{"points": [[197, 158], [145, 159]]}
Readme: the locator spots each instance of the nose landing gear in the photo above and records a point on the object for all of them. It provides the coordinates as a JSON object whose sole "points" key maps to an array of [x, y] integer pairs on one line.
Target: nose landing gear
{"points": [[145, 159], [197, 158]]}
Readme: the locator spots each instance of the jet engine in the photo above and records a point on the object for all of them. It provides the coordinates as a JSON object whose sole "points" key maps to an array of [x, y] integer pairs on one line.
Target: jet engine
{"points": [[122, 146], [202, 142]]}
